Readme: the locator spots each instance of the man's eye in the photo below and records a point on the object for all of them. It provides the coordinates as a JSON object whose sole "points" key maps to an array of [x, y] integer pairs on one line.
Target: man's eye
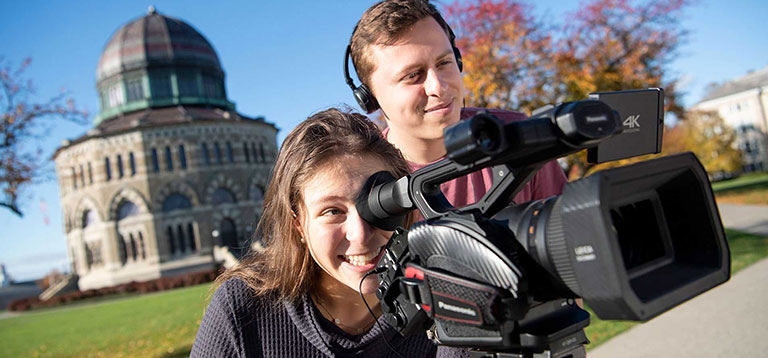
{"points": [[412, 76]]}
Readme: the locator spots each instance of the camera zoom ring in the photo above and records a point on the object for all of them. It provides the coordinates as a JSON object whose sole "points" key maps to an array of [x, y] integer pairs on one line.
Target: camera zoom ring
{"points": [[557, 248]]}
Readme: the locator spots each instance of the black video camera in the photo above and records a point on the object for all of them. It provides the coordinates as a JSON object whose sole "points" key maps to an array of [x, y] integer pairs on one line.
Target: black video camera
{"points": [[501, 277]]}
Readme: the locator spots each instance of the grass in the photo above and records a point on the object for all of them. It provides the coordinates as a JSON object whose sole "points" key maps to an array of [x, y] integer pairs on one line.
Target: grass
{"points": [[153, 325], [747, 189], [164, 324]]}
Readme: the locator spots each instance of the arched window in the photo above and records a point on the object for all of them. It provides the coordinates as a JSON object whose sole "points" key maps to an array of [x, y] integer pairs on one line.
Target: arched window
{"points": [[116, 96], [223, 196], [247, 153], [229, 233], [191, 236], [182, 242], [160, 84], [168, 159], [88, 255], [186, 82], [212, 87], [206, 154], [171, 241], [89, 217], [122, 250], [132, 162], [132, 243], [230, 154], [155, 161], [217, 150], [126, 209], [142, 247], [96, 253], [107, 169], [119, 166], [182, 157], [176, 202], [135, 89]]}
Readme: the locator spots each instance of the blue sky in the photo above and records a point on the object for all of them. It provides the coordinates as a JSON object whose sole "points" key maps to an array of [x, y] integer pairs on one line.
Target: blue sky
{"points": [[283, 60]]}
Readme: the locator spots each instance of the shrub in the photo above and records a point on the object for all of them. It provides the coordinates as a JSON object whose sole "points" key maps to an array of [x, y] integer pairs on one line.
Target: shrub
{"points": [[160, 284]]}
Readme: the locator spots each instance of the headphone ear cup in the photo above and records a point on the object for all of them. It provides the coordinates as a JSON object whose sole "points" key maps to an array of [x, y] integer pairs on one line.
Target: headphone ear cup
{"points": [[459, 61], [365, 99]]}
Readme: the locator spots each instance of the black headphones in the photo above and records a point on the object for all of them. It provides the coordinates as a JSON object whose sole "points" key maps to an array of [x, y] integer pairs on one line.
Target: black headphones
{"points": [[363, 95]]}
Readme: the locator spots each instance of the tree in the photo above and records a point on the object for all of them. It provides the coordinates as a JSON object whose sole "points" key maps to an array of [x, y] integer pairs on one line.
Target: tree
{"points": [[23, 124], [606, 45], [706, 135], [613, 45], [504, 50]]}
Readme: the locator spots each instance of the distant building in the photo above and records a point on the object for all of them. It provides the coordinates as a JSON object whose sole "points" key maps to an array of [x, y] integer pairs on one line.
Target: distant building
{"points": [[170, 172], [5, 280], [743, 105]]}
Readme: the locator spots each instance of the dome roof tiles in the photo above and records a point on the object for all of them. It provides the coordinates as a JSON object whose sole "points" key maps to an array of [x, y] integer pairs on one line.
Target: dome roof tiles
{"points": [[155, 40]]}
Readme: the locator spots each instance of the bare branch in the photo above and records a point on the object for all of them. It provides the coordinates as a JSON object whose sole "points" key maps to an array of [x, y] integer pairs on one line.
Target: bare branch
{"points": [[24, 121]]}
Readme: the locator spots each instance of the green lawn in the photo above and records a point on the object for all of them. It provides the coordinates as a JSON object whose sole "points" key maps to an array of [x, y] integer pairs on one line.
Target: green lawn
{"points": [[747, 189], [164, 324], [746, 182], [153, 325]]}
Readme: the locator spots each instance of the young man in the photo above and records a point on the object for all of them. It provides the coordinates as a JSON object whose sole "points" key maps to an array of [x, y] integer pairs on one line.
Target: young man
{"points": [[405, 57]]}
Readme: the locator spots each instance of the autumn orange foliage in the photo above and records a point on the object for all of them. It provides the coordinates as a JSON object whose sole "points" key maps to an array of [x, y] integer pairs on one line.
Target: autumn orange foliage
{"points": [[515, 61]]}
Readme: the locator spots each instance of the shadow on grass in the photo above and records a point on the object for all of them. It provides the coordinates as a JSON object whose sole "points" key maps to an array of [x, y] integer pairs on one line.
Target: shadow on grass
{"points": [[182, 351], [746, 249]]}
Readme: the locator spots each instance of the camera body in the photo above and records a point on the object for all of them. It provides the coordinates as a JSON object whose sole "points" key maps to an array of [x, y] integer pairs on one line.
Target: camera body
{"points": [[499, 276]]}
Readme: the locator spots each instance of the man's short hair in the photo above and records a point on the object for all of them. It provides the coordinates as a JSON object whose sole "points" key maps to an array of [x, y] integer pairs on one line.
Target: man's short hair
{"points": [[384, 23]]}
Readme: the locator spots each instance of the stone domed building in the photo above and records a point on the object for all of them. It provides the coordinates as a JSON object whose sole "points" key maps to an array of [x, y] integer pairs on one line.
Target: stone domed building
{"points": [[171, 178]]}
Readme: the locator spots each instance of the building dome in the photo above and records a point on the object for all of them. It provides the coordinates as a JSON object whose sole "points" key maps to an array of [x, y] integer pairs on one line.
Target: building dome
{"points": [[171, 179], [158, 61]]}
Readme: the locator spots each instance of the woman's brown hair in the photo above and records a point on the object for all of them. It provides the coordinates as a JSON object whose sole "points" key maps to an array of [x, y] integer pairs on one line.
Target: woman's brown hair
{"points": [[285, 267]]}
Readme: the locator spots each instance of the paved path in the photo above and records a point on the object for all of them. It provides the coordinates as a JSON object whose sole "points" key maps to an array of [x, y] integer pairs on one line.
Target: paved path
{"points": [[747, 218], [730, 320]]}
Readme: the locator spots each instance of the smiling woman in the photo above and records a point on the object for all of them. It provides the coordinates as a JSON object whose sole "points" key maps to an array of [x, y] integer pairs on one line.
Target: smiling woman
{"points": [[309, 293]]}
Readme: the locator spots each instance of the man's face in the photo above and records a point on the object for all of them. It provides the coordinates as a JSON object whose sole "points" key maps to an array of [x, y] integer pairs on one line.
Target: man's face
{"points": [[417, 82]]}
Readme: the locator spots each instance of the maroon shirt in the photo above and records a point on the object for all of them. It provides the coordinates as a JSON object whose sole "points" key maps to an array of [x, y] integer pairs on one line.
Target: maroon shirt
{"points": [[547, 182]]}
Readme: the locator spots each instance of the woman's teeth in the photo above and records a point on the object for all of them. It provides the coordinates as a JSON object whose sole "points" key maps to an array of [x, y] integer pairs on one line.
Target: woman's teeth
{"points": [[360, 260]]}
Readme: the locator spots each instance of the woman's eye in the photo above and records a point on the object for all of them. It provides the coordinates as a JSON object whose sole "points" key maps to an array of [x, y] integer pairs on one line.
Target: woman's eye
{"points": [[332, 211]]}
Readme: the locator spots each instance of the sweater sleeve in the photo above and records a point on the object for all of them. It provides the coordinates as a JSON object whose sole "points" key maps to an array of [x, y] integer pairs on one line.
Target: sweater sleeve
{"points": [[221, 331]]}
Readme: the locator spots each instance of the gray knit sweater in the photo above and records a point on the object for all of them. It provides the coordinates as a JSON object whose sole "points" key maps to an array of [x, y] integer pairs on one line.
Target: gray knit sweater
{"points": [[236, 324]]}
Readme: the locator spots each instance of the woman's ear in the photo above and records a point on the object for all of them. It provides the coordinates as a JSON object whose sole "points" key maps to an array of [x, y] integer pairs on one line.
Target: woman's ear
{"points": [[297, 224]]}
